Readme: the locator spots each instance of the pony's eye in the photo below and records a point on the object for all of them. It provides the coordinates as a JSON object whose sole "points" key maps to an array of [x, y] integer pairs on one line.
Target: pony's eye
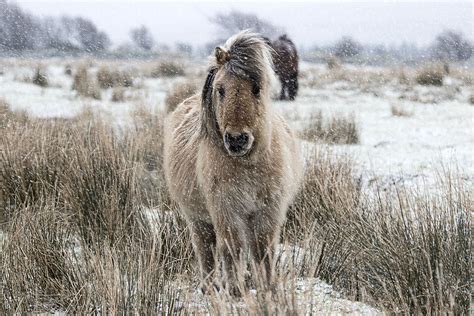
{"points": [[256, 90], [221, 92]]}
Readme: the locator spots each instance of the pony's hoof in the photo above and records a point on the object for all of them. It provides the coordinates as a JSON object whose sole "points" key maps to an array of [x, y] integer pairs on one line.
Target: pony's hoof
{"points": [[234, 291], [208, 288]]}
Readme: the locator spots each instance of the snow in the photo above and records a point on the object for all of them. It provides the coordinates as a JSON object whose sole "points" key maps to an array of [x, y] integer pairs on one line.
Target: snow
{"points": [[312, 295], [392, 149]]}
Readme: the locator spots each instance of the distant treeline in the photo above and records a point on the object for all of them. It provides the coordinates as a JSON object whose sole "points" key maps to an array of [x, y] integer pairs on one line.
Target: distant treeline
{"points": [[21, 31], [23, 34], [448, 46]]}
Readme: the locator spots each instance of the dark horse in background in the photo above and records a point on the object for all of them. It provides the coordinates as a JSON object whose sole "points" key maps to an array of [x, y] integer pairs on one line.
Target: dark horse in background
{"points": [[285, 60]]}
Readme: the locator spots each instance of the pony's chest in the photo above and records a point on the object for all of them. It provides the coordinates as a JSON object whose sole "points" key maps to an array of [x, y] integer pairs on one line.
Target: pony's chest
{"points": [[247, 190]]}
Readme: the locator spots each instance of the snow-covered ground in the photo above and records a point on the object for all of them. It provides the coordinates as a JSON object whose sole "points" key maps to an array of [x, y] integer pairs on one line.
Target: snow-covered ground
{"points": [[438, 131]]}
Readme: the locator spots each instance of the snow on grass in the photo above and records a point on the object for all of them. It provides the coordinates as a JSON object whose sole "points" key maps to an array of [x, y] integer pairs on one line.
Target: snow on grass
{"points": [[440, 128], [392, 149]]}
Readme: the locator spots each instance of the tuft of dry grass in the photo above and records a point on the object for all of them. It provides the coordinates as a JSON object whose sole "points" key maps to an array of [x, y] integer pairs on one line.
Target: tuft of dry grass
{"points": [[149, 129], [178, 93], [430, 75], [68, 70], [40, 78], [8, 117], [88, 227], [402, 250], [320, 218], [398, 110], [416, 248], [333, 62], [84, 85], [79, 237], [338, 130], [361, 77], [167, 68], [118, 95], [113, 78]]}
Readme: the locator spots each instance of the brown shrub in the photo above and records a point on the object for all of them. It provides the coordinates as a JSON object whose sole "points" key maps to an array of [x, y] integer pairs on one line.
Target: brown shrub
{"points": [[330, 189], [403, 77], [9, 117], [358, 77], [398, 110], [118, 95], [178, 93], [338, 130], [464, 74], [40, 78], [333, 62], [167, 68], [430, 75], [109, 79], [75, 216], [84, 85], [367, 244], [68, 70]]}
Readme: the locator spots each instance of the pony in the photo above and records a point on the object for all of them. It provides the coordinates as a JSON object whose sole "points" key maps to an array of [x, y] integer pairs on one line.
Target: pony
{"points": [[231, 163], [285, 59]]}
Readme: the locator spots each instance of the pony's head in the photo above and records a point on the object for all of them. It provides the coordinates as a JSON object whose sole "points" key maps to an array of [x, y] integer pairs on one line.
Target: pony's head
{"points": [[236, 94]]}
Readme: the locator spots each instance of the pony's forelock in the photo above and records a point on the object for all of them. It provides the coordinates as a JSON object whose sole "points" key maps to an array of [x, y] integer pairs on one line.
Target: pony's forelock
{"points": [[250, 58]]}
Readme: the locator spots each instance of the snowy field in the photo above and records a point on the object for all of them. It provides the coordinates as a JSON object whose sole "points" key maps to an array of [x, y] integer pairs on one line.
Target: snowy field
{"points": [[437, 131]]}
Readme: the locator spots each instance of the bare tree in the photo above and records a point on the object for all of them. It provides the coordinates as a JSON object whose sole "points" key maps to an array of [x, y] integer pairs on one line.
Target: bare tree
{"points": [[142, 37], [91, 39], [451, 46], [184, 48], [347, 47], [235, 21], [55, 34], [17, 28]]}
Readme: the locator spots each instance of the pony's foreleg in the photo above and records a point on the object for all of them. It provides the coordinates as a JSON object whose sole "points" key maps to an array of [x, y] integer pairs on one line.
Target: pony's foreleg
{"points": [[204, 243], [265, 229], [232, 248]]}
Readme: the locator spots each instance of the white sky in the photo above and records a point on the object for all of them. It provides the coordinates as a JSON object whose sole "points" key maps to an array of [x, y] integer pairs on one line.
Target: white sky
{"points": [[308, 23]]}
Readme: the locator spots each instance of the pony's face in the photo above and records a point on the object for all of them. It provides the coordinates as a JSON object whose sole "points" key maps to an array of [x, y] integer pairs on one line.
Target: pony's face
{"points": [[239, 111], [236, 94]]}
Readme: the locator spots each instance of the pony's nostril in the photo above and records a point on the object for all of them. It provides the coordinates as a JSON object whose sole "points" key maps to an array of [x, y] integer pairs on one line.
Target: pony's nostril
{"points": [[242, 138], [237, 141]]}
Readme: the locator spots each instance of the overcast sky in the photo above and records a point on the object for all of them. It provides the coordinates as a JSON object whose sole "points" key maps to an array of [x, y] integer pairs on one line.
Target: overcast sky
{"points": [[308, 23]]}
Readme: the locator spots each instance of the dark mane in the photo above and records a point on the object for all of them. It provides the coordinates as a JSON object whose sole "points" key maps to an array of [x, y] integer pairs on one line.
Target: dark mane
{"points": [[209, 125]]}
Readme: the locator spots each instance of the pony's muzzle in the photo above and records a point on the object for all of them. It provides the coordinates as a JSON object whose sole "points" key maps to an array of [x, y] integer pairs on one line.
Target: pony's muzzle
{"points": [[238, 144]]}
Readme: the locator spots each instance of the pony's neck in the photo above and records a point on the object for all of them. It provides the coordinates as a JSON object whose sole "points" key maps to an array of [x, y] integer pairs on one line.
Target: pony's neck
{"points": [[265, 131]]}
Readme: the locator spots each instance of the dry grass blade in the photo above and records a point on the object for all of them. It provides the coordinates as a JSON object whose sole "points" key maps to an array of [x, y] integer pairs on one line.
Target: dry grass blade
{"points": [[88, 227], [78, 238], [338, 130]]}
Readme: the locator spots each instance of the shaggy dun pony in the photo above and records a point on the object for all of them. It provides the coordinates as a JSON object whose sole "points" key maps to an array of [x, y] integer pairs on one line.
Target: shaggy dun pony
{"points": [[230, 162]]}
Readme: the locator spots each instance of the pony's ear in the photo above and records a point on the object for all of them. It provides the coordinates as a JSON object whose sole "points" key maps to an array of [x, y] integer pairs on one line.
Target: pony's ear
{"points": [[222, 56], [206, 94]]}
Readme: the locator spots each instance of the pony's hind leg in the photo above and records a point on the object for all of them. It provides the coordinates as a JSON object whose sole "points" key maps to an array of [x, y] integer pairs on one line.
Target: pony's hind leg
{"points": [[282, 92], [292, 88]]}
